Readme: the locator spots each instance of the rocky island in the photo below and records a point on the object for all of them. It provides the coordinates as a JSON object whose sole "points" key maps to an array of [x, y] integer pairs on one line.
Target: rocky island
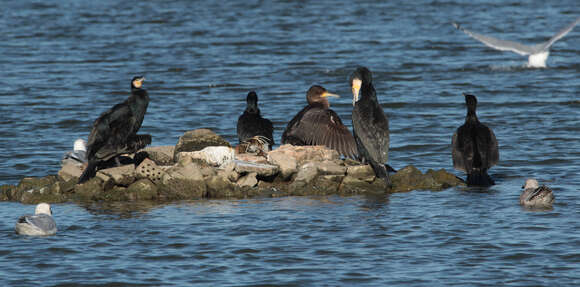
{"points": [[203, 165]]}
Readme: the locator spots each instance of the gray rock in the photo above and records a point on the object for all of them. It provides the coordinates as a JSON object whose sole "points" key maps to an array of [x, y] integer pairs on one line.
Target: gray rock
{"points": [[248, 180], [331, 168], [287, 165], [161, 155], [150, 170], [197, 140], [122, 175], [70, 171], [142, 189], [263, 170], [361, 172]]}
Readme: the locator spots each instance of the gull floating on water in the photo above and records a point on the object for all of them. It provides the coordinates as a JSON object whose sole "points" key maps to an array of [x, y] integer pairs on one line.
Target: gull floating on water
{"points": [[41, 223], [538, 54], [534, 195]]}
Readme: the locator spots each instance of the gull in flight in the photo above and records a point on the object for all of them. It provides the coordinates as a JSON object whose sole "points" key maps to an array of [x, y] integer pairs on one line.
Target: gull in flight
{"points": [[538, 54]]}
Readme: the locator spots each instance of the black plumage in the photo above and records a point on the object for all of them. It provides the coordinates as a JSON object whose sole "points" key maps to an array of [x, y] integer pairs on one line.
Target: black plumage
{"points": [[370, 124], [251, 123], [474, 147], [115, 131], [317, 124]]}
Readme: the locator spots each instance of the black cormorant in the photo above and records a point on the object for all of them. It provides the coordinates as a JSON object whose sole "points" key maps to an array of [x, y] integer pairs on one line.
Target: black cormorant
{"points": [[475, 148], [115, 131], [251, 123], [317, 124], [370, 124]]}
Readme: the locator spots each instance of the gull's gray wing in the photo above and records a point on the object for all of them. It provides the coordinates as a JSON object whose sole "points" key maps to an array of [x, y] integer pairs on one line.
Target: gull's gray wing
{"points": [[43, 222], [545, 46], [498, 44]]}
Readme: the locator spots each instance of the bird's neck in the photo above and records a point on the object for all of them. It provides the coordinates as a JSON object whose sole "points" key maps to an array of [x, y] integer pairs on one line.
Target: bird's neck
{"points": [[139, 97], [471, 116], [253, 109], [368, 93]]}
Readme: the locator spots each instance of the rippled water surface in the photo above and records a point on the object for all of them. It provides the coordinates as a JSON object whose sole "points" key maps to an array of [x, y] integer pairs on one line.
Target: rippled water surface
{"points": [[65, 62]]}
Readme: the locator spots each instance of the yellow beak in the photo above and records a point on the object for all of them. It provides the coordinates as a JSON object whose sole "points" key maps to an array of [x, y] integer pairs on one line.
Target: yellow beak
{"points": [[327, 94], [356, 83]]}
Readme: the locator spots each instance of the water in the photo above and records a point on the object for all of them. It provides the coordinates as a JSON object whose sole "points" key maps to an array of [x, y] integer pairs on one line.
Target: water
{"points": [[64, 63]]}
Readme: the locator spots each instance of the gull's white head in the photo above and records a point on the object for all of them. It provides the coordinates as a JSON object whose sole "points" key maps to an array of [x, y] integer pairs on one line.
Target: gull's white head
{"points": [[80, 145], [43, 208], [530, 183]]}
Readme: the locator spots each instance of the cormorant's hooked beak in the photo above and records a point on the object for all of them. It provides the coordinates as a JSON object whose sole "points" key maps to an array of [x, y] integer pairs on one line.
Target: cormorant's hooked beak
{"points": [[356, 83], [138, 82], [327, 94]]}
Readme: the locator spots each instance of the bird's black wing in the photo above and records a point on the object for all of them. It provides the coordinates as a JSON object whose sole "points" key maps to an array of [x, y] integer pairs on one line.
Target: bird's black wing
{"points": [[372, 129], [318, 126]]}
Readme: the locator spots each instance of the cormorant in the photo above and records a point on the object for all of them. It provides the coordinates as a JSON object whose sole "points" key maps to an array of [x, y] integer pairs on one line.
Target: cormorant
{"points": [[475, 147], [317, 124], [115, 131], [251, 123], [370, 124]]}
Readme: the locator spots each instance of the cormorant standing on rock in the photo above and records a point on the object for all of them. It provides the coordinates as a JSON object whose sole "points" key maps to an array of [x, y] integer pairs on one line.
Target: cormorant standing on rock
{"points": [[317, 124], [475, 148], [115, 131], [370, 124], [251, 123]]}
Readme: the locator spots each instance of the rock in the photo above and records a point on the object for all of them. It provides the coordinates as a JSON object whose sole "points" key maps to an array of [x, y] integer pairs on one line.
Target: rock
{"points": [[122, 175], [229, 172], [183, 182], [161, 155], [262, 170], [218, 156], [89, 189], [287, 165], [197, 140], [328, 184], [410, 178], [143, 189], [251, 158], [331, 167], [444, 179], [150, 170], [70, 171], [361, 172], [248, 180], [304, 177], [303, 154], [219, 187]]}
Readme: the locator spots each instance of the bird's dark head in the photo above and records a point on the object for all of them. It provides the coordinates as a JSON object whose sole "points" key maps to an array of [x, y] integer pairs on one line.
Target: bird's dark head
{"points": [[361, 76], [252, 103], [318, 94], [470, 101], [137, 82]]}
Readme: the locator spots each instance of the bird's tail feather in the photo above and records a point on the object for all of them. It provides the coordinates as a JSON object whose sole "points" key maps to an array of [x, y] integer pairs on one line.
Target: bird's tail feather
{"points": [[480, 178], [89, 172], [381, 171]]}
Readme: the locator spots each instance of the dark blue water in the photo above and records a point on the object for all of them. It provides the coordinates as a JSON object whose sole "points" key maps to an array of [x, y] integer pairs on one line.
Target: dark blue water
{"points": [[65, 62]]}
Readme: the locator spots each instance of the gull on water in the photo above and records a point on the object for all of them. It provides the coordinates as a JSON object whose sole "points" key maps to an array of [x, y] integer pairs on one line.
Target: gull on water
{"points": [[533, 195], [538, 54], [41, 223]]}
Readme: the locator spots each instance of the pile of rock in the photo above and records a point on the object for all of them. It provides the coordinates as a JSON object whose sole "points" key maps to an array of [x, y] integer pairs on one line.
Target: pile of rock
{"points": [[203, 165]]}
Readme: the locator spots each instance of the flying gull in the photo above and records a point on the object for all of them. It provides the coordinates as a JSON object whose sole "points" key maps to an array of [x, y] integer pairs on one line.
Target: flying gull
{"points": [[538, 54]]}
